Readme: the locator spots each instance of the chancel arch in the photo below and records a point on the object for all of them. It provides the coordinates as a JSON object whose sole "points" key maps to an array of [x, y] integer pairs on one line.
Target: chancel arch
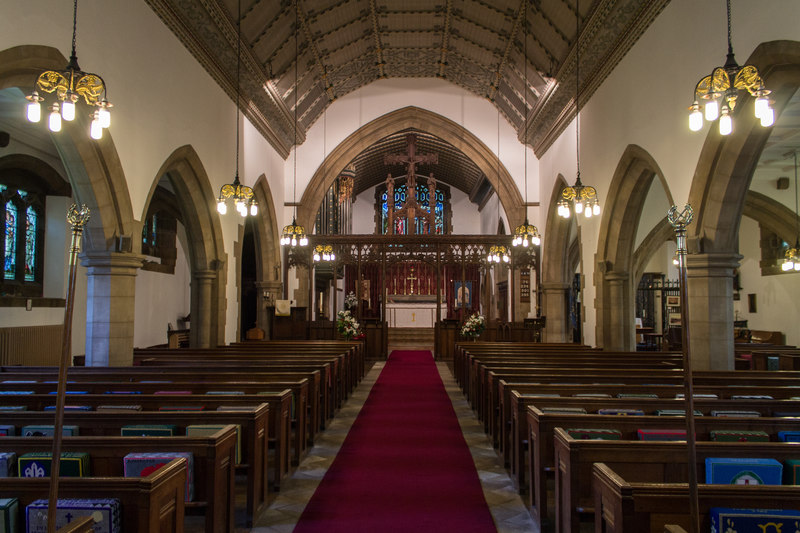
{"points": [[614, 273], [207, 258], [719, 188], [423, 120]]}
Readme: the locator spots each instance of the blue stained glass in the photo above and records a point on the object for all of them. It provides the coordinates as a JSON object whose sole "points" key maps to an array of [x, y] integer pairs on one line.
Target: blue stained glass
{"points": [[153, 231], [30, 243], [10, 259], [2, 188]]}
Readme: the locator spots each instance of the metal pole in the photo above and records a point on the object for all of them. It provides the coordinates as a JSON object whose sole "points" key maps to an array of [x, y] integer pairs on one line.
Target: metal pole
{"points": [[679, 221], [77, 219]]}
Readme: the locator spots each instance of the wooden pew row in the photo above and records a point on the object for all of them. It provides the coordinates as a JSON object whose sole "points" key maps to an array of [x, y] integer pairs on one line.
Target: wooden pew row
{"points": [[541, 432], [253, 424], [515, 419], [630, 505], [787, 360], [152, 504], [214, 459], [207, 377], [260, 391], [667, 460], [278, 412]]}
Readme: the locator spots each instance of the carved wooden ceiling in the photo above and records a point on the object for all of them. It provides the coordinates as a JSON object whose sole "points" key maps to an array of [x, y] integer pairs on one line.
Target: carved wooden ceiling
{"points": [[342, 45]]}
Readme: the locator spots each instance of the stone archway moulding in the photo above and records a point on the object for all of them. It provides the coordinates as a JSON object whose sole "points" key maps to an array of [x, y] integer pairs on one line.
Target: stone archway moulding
{"points": [[93, 167], [423, 120], [614, 261], [207, 256], [556, 280]]}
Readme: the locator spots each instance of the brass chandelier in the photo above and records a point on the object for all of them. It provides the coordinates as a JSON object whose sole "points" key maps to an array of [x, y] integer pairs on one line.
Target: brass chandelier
{"points": [[324, 252], [526, 233], [498, 253], [70, 85], [242, 195], [792, 259], [722, 86], [294, 234], [582, 198]]}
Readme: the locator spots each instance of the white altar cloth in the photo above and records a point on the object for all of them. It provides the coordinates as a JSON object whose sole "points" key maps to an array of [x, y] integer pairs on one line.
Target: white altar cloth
{"points": [[412, 314]]}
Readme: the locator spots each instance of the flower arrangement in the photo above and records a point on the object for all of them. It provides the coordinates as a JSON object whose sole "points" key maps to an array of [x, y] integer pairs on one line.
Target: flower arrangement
{"points": [[473, 326], [347, 325], [350, 300]]}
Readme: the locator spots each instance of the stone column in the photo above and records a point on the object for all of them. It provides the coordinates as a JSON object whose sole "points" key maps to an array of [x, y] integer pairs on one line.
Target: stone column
{"points": [[110, 307], [555, 311], [200, 333], [264, 315], [710, 289], [619, 313]]}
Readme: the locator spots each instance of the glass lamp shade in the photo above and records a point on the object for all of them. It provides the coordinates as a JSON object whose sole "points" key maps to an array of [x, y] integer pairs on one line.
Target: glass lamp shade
{"points": [[695, 117], [54, 120], [767, 117], [96, 130], [104, 113], [578, 208], [222, 207], [253, 209], [596, 209], [725, 121], [761, 105], [68, 108], [711, 109], [787, 265], [33, 110]]}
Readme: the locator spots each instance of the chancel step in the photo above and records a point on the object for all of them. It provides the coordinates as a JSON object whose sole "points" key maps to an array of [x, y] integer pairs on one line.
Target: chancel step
{"points": [[411, 336]]}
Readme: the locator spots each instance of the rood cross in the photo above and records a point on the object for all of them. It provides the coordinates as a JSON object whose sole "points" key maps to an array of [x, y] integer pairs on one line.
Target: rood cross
{"points": [[411, 159]]}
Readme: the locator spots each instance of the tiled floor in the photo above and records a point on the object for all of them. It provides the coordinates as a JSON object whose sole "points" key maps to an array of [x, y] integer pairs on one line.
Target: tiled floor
{"points": [[505, 504]]}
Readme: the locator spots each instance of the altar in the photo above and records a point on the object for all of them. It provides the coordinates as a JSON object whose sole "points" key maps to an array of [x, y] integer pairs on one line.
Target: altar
{"points": [[411, 311]]}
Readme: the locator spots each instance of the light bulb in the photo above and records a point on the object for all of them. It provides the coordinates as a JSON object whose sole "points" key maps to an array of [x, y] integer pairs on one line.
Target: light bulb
{"points": [[303, 240], [34, 108], [536, 241], [711, 110], [587, 212], [333, 257], [695, 117], [104, 113], [797, 266], [578, 208], [68, 108], [316, 256], [294, 241], [284, 241], [525, 242], [675, 260], [222, 207], [242, 210], [565, 211], [596, 209], [54, 122], [506, 259], [96, 130], [725, 121], [768, 117], [762, 103], [253, 209]]}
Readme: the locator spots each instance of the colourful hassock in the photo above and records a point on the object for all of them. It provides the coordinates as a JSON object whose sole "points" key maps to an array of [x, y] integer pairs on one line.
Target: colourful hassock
{"points": [[144, 464], [148, 430], [201, 430], [595, 434], [13, 407], [662, 434], [637, 395], [123, 392], [226, 392], [680, 396], [675, 412], [789, 436], [119, 408], [181, 408], [541, 396], [743, 471], [69, 408], [792, 472], [9, 511], [756, 520], [620, 412], [7, 430], [179, 392], [8, 464], [564, 410], [105, 511], [37, 464], [737, 414], [48, 431], [751, 397], [592, 395], [739, 436]]}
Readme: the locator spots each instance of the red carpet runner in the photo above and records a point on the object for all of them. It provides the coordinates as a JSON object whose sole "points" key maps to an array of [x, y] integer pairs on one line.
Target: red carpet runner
{"points": [[404, 465]]}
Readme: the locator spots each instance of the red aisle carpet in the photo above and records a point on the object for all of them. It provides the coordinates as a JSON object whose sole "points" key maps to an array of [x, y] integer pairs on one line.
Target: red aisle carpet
{"points": [[404, 465]]}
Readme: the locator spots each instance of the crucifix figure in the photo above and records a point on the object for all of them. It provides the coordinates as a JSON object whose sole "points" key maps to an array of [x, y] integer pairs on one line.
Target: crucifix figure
{"points": [[412, 207]]}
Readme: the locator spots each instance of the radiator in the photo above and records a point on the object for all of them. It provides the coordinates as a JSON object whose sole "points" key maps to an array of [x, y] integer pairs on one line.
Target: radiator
{"points": [[30, 345]]}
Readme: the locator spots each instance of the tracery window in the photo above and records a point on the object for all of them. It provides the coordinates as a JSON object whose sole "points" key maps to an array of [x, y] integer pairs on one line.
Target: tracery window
{"points": [[23, 240], [442, 216]]}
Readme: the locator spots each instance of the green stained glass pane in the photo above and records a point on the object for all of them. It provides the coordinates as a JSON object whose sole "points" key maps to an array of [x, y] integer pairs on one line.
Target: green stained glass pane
{"points": [[3, 188], [10, 259], [30, 243], [22, 194]]}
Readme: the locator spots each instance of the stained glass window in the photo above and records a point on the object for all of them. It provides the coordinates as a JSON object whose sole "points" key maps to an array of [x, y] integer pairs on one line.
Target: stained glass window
{"points": [[423, 197], [10, 259], [31, 233]]}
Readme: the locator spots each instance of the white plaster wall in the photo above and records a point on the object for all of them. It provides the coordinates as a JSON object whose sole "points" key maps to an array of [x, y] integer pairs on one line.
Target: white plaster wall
{"points": [[776, 296], [654, 210], [466, 218], [162, 298], [364, 213]]}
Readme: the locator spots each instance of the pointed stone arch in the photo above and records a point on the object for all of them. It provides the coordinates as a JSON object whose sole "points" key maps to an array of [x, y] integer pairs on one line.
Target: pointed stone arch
{"points": [[423, 120], [718, 193], [207, 258], [268, 251], [614, 279], [556, 278]]}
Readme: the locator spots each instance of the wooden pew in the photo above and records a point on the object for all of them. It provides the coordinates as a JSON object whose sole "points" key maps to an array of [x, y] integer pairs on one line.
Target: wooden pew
{"points": [[152, 504], [279, 407], [214, 458], [253, 423], [541, 431], [667, 460], [627, 504]]}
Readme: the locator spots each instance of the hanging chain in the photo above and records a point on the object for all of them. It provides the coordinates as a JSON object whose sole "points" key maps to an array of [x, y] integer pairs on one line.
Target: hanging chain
{"points": [[795, 195], [577, 87], [525, 89], [730, 47], [74, 25], [296, 88], [238, 78]]}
